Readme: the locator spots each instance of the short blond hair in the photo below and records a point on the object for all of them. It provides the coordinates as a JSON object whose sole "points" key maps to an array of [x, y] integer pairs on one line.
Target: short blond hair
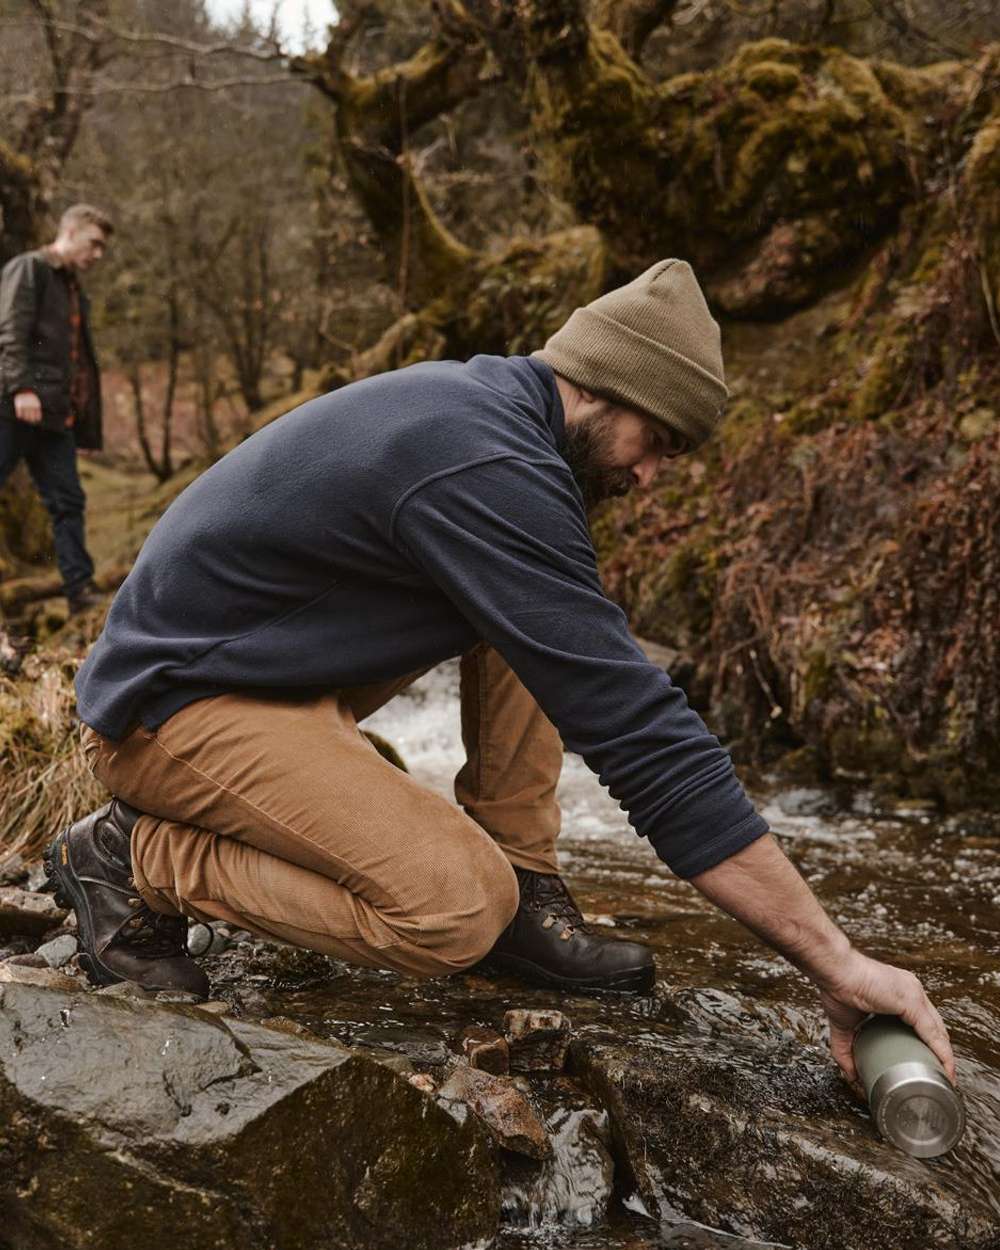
{"points": [[86, 214]]}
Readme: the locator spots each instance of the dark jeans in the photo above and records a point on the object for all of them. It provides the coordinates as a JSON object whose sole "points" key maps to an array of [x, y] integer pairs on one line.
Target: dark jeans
{"points": [[51, 460]]}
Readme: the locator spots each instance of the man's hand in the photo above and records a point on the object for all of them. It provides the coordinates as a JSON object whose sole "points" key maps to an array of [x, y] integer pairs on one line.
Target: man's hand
{"points": [[28, 407], [866, 986], [760, 887]]}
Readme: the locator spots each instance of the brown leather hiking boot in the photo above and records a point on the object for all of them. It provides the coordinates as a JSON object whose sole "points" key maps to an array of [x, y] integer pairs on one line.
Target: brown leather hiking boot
{"points": [[121, 937], [548, 943]]}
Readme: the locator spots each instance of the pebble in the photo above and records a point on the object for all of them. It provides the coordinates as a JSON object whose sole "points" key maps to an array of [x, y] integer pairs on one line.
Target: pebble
{"points": [[124, 989], [204, 939], [538, 1040], [28, 960], [59, 951], [503, 1109], [485, 1049]]}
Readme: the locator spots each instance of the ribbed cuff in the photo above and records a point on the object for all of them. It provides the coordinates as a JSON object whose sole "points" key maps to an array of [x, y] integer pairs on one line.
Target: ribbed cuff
{"points": [[704, 855]]}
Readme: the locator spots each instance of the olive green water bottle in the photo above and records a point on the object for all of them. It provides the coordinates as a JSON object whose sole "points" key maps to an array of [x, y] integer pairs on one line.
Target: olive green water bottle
{"points": [[912, 1101]]}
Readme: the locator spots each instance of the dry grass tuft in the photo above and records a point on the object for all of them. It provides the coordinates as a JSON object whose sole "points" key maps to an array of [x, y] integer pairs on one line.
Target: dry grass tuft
{"points": [[45, 779]]}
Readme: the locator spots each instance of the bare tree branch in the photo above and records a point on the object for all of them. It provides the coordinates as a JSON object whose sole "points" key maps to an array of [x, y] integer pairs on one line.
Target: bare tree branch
{"points": [[98, 31], [161, 88]]}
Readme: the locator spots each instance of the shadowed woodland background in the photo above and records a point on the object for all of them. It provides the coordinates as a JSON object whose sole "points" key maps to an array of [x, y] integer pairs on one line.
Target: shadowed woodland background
{"points": [[438, 179]]}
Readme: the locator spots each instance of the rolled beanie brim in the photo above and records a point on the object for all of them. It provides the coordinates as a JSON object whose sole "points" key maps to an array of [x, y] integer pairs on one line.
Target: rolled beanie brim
{"points": [[608, 358], [651, 345]]}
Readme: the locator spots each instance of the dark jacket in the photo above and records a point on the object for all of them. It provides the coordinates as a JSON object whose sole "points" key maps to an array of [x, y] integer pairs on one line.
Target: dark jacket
{"points": [[35, 345], [378, 530]]}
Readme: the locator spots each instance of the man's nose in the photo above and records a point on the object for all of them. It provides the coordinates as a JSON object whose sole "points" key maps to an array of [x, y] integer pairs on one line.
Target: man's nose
{"points": [[644, 473]]}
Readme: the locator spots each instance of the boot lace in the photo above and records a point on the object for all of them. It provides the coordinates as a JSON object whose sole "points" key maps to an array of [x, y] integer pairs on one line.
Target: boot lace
{"points": [[547, 892], [153, 935]]}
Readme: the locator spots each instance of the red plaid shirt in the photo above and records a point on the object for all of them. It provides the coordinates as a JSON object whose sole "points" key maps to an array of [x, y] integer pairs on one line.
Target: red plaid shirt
{"points": [[79, 383]]}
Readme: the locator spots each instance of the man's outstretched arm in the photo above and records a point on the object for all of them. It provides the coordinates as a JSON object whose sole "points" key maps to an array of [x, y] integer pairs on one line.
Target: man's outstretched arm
{"points": [[761, 888]]}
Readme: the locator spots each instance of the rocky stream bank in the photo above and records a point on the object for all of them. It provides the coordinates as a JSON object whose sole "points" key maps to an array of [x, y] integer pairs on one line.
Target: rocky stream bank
{"points": [[313, 1105]]}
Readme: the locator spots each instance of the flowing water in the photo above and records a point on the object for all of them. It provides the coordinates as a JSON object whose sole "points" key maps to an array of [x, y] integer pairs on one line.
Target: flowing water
{"points": [[907, 885]]}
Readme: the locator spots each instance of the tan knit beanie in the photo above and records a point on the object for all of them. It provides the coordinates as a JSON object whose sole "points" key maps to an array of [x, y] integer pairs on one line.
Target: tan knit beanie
{"points": [[651, 345]]}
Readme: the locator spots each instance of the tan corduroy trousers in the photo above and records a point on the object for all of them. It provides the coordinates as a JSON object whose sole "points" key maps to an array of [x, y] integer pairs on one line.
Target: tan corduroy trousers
{"points": [[279, 816]]}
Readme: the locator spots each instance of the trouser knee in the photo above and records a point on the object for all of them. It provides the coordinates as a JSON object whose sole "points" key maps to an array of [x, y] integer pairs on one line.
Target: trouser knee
{"points": [[468, 928]]}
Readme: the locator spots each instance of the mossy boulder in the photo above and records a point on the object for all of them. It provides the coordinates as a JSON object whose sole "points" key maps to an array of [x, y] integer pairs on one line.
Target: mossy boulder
{"points": [[118, 1115], [750, 1130]]}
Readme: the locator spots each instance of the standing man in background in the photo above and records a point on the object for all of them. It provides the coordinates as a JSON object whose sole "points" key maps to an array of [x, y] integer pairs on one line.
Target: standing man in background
{"points": [[50, 393]]}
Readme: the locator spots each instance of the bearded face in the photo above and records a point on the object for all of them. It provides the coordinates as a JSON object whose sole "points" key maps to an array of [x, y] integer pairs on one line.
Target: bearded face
{"points": [[588, 451]]}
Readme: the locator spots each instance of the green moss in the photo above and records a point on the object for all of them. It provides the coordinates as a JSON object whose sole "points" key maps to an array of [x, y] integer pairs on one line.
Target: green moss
{"points": [[772, 80], [818, 675], [520, 298], [766, 50], [25, 531], [885, 381], [865, 749]]}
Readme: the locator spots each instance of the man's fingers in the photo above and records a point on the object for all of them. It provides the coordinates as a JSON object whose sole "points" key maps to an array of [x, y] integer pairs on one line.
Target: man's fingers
{"points": [[871, 986], [929, 1027], [842, 1049]]}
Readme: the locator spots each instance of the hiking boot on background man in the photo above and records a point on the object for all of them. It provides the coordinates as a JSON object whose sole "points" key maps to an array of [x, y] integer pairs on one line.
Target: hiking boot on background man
{"points": [[121, 937], [84, 597]]}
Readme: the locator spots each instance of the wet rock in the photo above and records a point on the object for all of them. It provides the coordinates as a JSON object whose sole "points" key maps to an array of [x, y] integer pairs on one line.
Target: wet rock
{"points": [[485, 1049], [419, 1046], [575, 1185], [389, 1059], [423, 1082], [215, 1007], [24, 912], [125, 989], [118, 1116], [538, 1040], [59, 951], [177, 996], [277, 964], [757, 1134], [284, 1024], [502, 1108], [19, 974]]}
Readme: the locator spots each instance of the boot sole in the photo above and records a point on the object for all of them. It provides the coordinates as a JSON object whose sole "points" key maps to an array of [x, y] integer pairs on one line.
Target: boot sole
{"points": [[630, 981], [68, 895]]}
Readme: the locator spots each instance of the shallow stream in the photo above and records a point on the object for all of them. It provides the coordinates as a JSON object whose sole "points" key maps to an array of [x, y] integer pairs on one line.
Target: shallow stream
{"points": [[907, 886]]}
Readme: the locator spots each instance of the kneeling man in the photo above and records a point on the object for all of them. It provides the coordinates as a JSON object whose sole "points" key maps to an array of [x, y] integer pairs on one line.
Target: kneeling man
{"points": [[322, 565]]}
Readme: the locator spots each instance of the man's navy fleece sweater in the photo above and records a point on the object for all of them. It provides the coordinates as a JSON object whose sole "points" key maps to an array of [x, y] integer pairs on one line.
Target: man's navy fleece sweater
{"points": [[388, 526]]}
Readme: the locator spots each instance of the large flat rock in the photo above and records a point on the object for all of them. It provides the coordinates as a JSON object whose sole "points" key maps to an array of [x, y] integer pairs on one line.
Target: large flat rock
{"points": [[126, 1123], [751, 1131]]}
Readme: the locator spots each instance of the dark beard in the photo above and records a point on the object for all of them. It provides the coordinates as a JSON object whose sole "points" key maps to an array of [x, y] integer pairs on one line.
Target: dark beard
{"points": [[585, 450]]}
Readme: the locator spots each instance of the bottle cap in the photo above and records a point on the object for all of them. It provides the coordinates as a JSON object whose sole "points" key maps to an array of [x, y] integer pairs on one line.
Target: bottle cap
{"points": [[916, 1107]]}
